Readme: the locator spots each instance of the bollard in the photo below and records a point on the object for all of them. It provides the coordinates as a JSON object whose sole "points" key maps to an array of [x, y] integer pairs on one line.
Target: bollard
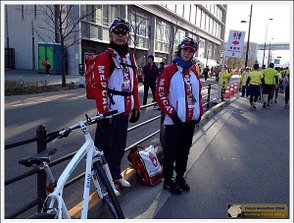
{"points": [[41, 134]]}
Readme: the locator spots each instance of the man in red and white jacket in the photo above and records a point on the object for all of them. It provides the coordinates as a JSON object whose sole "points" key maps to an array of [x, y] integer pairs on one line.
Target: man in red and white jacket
{"points": [[178, 95], [116, 88]]}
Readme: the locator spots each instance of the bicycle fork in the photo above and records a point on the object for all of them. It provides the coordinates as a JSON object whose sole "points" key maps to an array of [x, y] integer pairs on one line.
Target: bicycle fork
{"points": [[99, 157]]}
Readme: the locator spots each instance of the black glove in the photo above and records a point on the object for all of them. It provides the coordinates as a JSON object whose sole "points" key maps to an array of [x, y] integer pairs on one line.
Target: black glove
{"points": [[176, 118], [106, 122], [135, 116]]}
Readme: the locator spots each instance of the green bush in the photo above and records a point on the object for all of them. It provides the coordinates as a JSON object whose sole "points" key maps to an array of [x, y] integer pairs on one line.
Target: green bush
{"points": [[19, 87]]}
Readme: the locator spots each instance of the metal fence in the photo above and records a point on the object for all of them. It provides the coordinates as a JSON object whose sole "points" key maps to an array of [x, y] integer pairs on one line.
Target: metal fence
{"points": [[211, 97]]}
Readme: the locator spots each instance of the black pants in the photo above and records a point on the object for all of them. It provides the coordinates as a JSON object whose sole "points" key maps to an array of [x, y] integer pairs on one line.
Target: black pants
{"points": [[268, 89], [286, 95], [112, 140], [149, 83], [244, 89], [48, 68], [254, 92], [178, 139]]}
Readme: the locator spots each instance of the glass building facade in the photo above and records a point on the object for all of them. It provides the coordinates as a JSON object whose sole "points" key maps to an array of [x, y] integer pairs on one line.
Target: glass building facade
{"points": [[157, 29]]}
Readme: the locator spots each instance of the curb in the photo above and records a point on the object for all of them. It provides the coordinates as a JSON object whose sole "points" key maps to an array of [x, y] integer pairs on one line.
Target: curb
{"points": [[130, 174]]}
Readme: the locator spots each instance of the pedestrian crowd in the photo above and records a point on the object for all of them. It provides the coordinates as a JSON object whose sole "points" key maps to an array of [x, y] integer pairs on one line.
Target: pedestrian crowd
{"points": [[265, 84]]}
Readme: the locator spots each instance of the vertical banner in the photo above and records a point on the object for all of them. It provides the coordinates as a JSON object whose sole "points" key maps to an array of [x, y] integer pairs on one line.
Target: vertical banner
{"points": [[235, 44]]}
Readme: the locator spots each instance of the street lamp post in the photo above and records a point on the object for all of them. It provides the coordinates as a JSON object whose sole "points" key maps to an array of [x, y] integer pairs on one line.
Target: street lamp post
{"points": [[248, 39], [264, 46], [269, 55]]}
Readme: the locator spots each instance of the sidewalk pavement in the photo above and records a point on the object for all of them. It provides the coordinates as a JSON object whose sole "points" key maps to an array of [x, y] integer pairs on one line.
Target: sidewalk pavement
{"points": [[238, 156], [35, 76]]}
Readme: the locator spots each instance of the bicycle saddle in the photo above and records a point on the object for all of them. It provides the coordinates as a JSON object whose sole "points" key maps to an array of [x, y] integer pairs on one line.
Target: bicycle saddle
{"points": [[38, 159]]}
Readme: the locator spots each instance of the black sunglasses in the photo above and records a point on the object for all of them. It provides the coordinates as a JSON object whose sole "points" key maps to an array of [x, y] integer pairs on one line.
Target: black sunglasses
{"points": [[117, 31]]}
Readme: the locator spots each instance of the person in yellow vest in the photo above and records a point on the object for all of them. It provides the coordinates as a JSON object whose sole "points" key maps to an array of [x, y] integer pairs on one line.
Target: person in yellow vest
{"points": [[270, 78], [252, 84], [225, 76], [197, 68], [244, 77]]}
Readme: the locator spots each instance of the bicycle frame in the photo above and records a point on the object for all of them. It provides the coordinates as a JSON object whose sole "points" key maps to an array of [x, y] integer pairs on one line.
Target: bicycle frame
{"points": [[89, 150]]}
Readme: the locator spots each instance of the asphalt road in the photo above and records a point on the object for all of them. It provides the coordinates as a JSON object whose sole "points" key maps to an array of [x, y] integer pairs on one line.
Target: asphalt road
{"points": [[239, 156]]}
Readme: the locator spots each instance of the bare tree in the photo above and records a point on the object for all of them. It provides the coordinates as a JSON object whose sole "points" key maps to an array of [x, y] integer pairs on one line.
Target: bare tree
{"points": [[61, 26], [172, 43], [137, 29], [234, 63]]}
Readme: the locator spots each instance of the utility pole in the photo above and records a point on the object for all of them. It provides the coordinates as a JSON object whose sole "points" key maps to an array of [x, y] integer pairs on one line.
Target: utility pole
{"points": [[248, 40]]}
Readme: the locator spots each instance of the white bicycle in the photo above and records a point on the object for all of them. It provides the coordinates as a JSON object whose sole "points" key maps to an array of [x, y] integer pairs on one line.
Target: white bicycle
{"points": [[96, 169]]}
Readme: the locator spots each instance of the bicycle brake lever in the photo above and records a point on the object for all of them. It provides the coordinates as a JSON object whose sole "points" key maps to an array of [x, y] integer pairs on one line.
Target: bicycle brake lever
{"points": [[88, 119], [63, 133]]}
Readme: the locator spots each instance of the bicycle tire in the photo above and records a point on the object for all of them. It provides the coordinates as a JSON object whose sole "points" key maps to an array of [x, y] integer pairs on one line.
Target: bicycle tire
{"points": [[110, 199]]}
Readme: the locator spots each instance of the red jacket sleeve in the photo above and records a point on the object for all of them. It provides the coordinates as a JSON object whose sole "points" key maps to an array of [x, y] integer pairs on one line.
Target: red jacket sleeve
{"points": [[136, 83], [101, 74], [162, 90], [200, 87]]}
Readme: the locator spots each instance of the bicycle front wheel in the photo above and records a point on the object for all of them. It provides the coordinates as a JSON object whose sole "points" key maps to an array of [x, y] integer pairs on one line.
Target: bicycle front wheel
{"points": [[110, 198]]}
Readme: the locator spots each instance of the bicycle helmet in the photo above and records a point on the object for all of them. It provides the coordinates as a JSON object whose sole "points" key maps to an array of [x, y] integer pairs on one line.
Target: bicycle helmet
{"points": [[117, 22], [188, 42]]}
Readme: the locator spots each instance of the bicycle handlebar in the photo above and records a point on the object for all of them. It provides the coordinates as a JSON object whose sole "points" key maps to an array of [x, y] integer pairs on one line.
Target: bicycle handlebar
{"points": [[89, 121]]}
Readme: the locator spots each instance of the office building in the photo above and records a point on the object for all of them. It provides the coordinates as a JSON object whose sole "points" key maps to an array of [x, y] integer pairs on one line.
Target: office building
{"points": [[156, 29]]}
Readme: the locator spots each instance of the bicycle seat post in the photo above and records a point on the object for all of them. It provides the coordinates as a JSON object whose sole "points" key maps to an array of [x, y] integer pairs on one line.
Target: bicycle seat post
{"points": [[48, 173]]}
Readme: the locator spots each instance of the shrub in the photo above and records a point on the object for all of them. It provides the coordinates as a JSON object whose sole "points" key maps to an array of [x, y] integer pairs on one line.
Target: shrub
{"points": [[19, 87]]}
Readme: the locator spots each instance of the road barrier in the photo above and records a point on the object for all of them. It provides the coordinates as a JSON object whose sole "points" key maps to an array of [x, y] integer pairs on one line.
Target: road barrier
{"points": [[42, 138]]}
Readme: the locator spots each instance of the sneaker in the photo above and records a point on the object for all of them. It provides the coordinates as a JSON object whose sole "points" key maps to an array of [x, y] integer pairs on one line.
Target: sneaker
{"points": [[122, 182], [276, 101], [183, 184], [264, 104], [172, 187], [268, 105], [254, 106]]}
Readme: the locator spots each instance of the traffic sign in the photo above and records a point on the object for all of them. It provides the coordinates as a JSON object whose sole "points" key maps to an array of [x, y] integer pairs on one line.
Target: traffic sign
{"points": [[235, 44]]}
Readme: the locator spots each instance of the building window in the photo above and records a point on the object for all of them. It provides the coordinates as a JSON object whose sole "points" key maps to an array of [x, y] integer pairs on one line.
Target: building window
{"points": [[105, 14], [207, 23], [214, 28], [187, 10], [98, 15], [220, 15], [180, 9], [201, 48], [162, 36], [198, 17], [203, 17], [179, 36], [140, 29], [211, 25], [193, 14]]}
